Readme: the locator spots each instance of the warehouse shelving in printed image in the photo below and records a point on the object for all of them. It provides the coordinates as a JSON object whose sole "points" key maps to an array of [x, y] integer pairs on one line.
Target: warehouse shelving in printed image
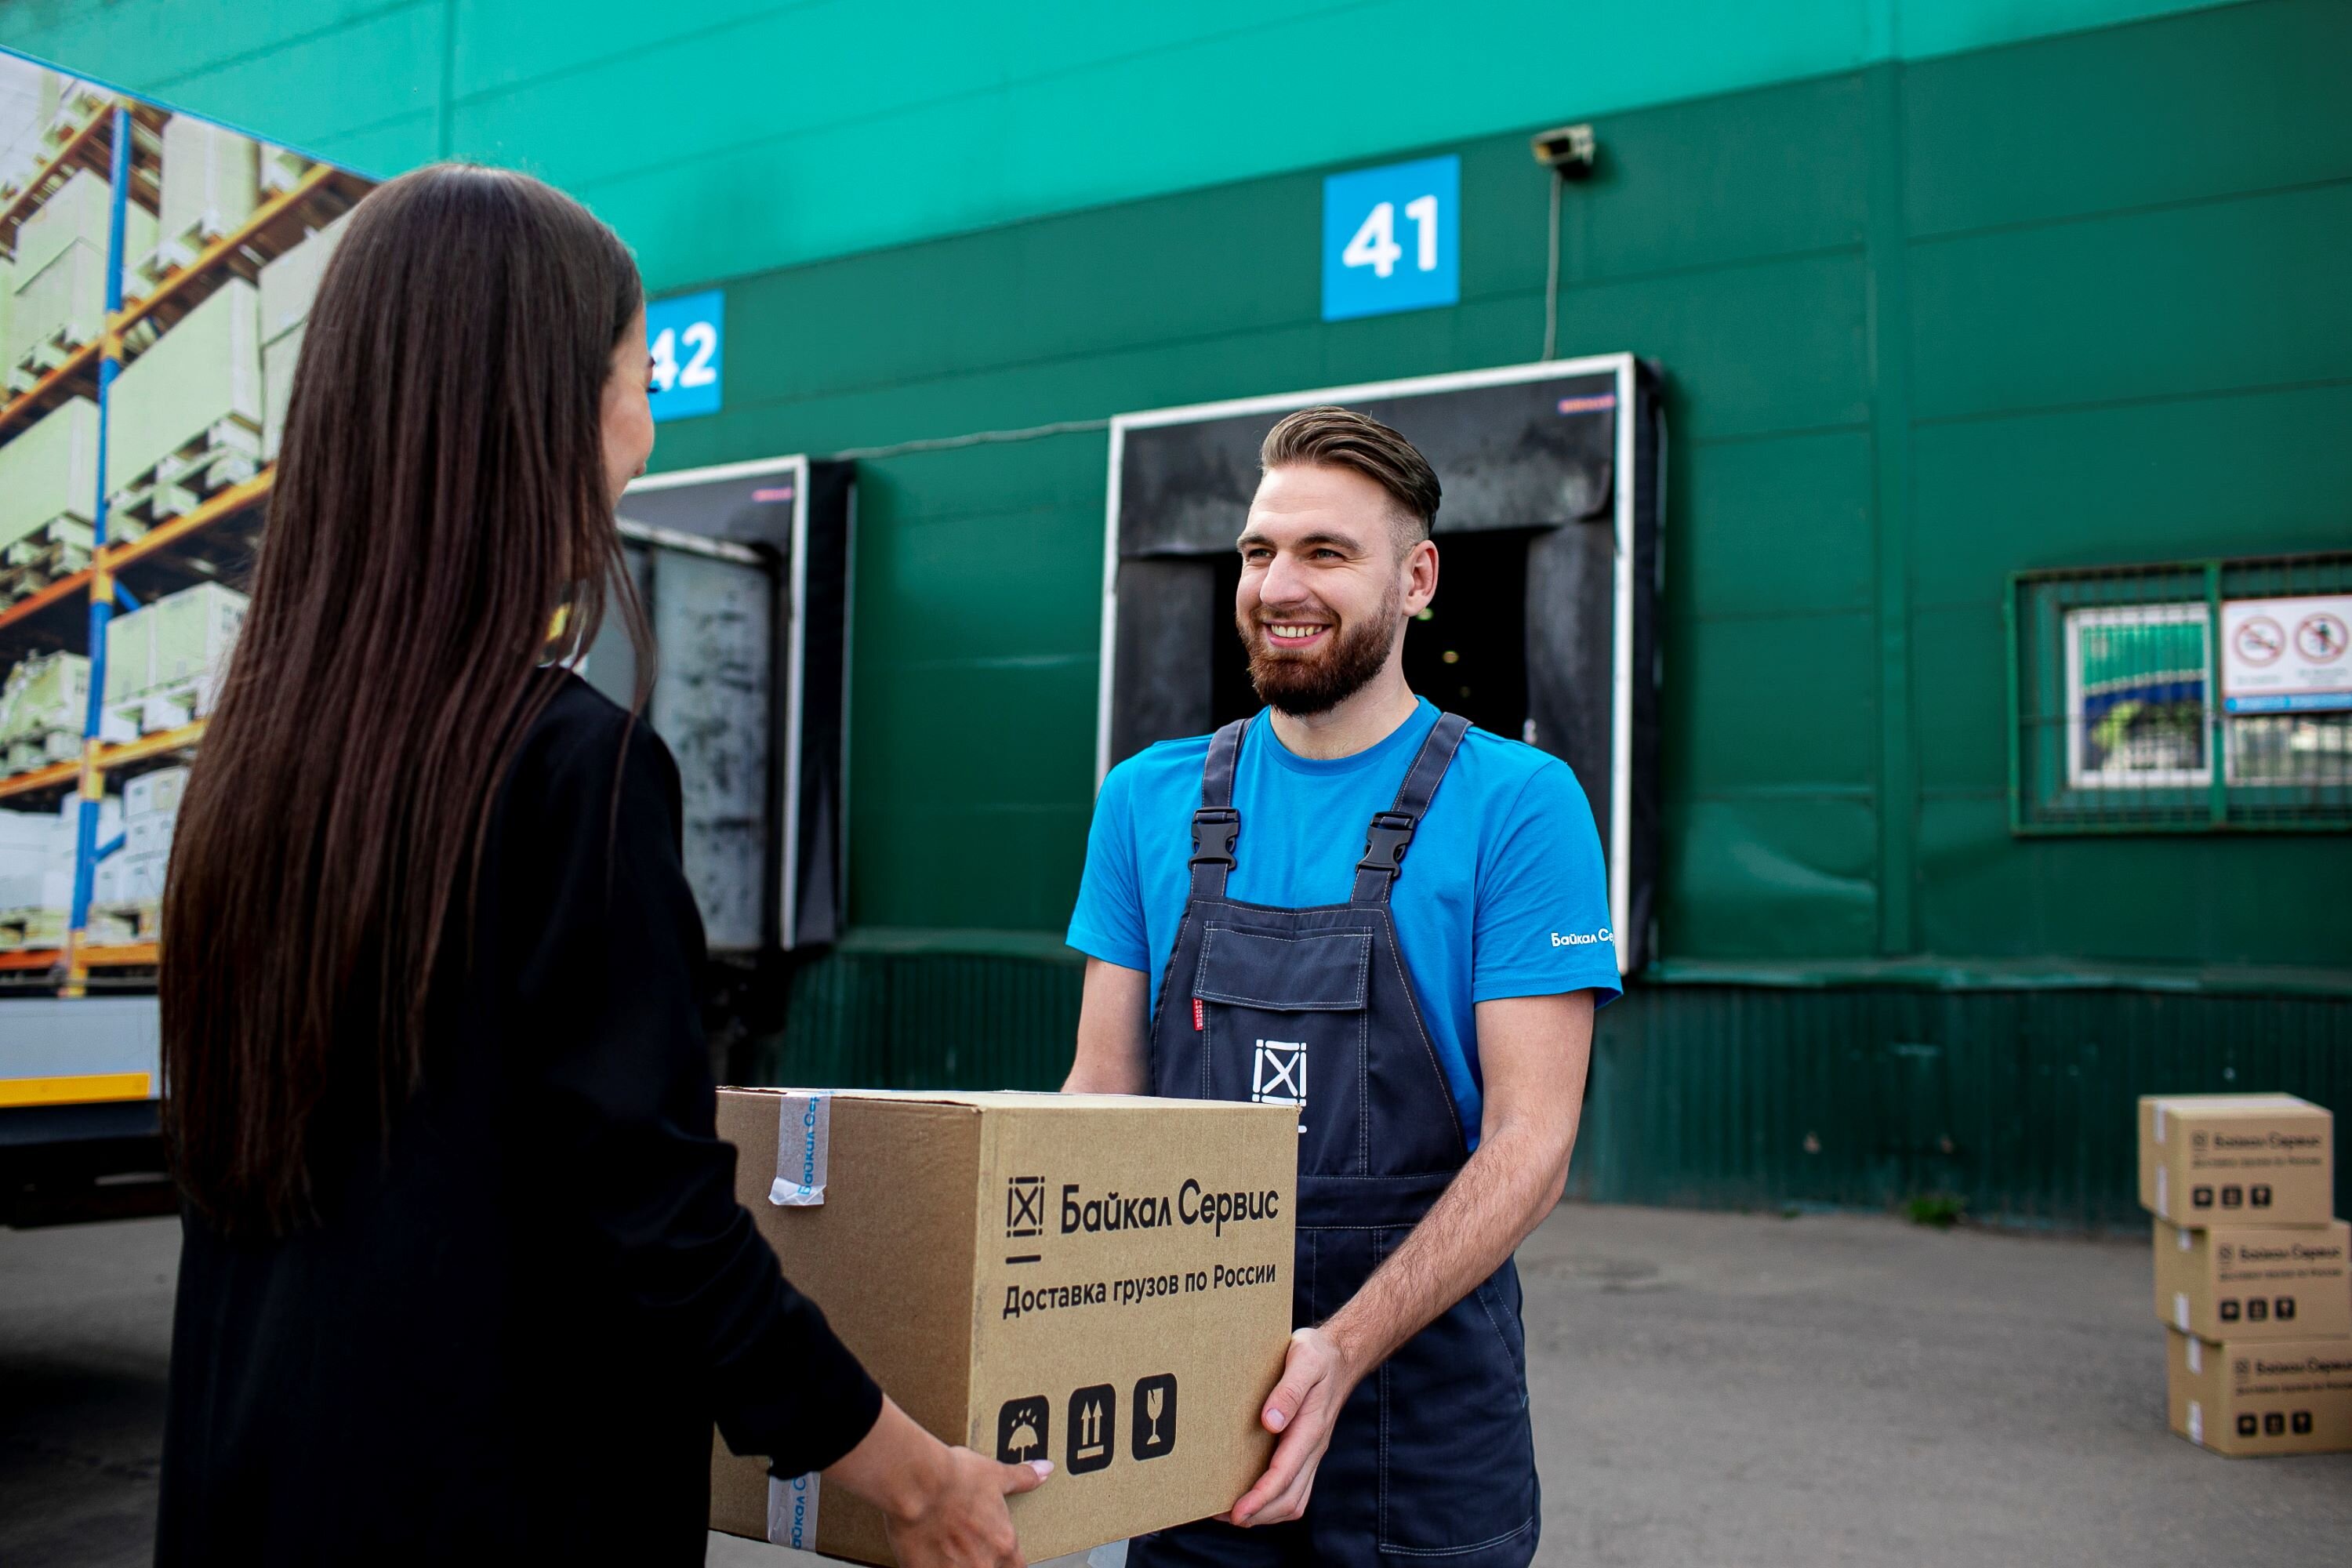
{"points": [[155, 274]]}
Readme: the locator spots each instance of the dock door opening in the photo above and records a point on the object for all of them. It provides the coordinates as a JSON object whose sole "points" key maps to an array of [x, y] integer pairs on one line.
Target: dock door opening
{"points": [[1542, 629]]}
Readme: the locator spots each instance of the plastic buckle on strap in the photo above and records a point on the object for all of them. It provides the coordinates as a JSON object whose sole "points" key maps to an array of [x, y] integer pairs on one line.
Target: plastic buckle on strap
{"points": [[1384, 846], [1213, 832]]}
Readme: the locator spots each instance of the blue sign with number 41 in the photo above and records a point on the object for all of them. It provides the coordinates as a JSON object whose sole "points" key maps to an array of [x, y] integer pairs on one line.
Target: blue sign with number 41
{"points": [[1391, 238], [685, 336]]}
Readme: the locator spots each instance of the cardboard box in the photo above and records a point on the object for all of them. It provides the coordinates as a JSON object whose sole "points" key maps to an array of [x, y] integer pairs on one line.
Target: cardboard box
{"points": [[2255, 1282], [2290, 1396], [290, 282], [48, 473], [1096, 1280], [2243, 1159], [211, 178], [205, 371]]}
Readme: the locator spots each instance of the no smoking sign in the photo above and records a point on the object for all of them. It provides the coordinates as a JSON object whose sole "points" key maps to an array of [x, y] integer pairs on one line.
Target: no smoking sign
{"points": [[2287, 654]]}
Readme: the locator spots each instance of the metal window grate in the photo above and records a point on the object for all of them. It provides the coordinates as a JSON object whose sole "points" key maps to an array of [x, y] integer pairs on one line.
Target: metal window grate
{"points": [[2190, 697]]}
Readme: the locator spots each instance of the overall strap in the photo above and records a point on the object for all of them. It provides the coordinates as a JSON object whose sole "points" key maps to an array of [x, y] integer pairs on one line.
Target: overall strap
{"points": [[1391, 830], [1216, 823]]}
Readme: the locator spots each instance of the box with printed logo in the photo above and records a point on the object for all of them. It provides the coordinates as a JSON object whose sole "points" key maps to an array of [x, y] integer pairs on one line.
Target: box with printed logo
{"points": [[2288, 1396], [1099, 1280], [2255, 1282], [2236, 1159]]}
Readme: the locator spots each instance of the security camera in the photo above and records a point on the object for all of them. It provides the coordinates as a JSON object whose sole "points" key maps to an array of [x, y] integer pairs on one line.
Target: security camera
{"points": [[1567, 150]]}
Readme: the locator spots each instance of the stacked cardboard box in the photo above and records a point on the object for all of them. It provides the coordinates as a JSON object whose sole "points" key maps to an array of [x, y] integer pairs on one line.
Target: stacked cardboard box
{"points": [[150, 811], [2254, 1272], [185, 417], [164, 661], [211, 185], [288, 284], [42, 711], [37, 870], [48, 481], [59, 275]]}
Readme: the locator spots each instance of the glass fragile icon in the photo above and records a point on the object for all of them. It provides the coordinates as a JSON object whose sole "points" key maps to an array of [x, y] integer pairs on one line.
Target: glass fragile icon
{"points": [[1154, 1425]]}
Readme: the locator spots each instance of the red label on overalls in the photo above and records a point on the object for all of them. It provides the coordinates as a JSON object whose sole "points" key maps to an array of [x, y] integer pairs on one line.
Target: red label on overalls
{"points": [[1196, 1013]]}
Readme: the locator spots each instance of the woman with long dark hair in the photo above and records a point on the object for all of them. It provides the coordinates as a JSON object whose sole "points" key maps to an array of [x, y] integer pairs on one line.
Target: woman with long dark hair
{"points": [[463, 1273]]}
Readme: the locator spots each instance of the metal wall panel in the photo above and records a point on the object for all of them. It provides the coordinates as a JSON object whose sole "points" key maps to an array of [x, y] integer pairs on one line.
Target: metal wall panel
{"points": [[2022, 1102]]}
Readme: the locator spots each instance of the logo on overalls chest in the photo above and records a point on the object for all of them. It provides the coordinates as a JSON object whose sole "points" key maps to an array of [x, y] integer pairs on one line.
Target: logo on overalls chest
{"points": [[1279, 1073]]}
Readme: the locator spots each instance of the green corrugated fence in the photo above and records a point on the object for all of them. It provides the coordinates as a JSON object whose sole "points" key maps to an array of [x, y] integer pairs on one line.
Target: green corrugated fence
{"points": [[2020, 1101]]}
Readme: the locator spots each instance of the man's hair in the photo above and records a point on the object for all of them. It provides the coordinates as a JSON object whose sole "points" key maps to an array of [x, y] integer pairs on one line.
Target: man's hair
{"points": [[1341, 439]]}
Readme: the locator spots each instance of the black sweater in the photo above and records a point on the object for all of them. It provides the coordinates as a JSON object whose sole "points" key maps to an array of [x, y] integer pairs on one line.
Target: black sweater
{"points": [[511, 1333]]}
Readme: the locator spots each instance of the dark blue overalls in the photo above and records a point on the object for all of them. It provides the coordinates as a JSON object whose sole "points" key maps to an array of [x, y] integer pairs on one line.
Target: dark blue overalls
{"points": [[1432, 1460]]}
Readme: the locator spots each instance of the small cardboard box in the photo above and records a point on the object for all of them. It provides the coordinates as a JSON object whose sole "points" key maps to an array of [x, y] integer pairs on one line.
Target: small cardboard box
{"points": [[2243, 1159], [2255, 1282], [2290, 1396], [1096, 1280]]}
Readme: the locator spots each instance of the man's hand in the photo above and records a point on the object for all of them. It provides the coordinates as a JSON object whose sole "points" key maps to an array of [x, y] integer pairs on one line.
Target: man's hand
{"points": [[1315, 1382], [941, 1506]]}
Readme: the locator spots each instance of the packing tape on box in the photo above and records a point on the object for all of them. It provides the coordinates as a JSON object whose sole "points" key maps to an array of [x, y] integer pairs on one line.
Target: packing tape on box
{"points": [[2180, 1316], [2163, 1197], [792, 1512], [2196, 1424], [803, 1134], [2196, 1356]]}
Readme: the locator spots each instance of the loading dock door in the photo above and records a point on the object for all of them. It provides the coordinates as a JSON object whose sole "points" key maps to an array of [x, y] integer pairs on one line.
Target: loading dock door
{"points": [[1543, 626], [745, 570]]}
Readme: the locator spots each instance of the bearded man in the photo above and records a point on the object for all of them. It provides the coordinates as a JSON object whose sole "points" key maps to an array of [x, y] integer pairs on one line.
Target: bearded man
{"points": [[1248, 937]]}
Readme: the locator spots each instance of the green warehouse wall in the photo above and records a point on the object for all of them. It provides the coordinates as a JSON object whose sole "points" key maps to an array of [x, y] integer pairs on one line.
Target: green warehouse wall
{"points": [[726, 136], [1926, 325], [1932, 313]]}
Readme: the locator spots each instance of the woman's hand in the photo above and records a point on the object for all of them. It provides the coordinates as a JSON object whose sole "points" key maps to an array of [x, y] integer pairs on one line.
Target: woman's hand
{"points": [[944, 1508]]}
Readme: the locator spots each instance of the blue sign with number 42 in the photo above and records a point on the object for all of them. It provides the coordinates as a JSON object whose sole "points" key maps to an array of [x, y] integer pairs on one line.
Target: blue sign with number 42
{"points": [[685, 336], [1391, 238]]}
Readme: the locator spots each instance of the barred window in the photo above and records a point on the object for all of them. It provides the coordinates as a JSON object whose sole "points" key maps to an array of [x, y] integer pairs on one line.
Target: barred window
{"points": [[2131, 683]]}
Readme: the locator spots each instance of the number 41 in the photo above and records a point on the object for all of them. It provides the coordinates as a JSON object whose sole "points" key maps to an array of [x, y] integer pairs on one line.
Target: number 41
{"points": [[1375, 243]]}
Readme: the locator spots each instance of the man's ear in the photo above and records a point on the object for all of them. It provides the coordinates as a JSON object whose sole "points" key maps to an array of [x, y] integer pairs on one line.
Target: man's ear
{"points": [[1421, 581]]}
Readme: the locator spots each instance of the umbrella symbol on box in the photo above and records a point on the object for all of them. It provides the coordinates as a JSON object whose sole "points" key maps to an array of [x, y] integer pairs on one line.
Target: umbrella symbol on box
{"points": [[1022, 1429]]}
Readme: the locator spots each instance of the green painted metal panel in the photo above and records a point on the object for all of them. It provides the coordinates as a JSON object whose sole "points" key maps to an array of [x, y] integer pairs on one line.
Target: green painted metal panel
{"points": [[935, 1012], [2021, 1102], [1788, 527], [725, 136]]}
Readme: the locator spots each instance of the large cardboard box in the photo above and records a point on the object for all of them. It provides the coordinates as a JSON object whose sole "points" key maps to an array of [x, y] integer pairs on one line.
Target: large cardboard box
{"points": [[2290, 1396], [2255, 1282], [290, 282], [2246, 1159], [211, 179], [1099, 1280], [49, 472], [204, 372]]}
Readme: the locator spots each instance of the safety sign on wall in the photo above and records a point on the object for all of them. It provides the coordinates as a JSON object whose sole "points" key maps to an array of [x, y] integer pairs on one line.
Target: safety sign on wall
{"points": [[1391, 238], [2287, 656], [687, 337]]}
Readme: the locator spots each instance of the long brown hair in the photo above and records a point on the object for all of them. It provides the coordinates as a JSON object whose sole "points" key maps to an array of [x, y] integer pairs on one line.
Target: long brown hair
{"points": [[440, 495]]}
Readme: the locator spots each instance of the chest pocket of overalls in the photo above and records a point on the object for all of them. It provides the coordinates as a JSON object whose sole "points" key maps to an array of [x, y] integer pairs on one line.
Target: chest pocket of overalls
{"points": [[1283, 1014]]}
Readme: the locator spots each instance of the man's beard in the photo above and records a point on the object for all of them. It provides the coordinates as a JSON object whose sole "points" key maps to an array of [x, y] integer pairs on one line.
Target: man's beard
{"points": [[1302, 685]]}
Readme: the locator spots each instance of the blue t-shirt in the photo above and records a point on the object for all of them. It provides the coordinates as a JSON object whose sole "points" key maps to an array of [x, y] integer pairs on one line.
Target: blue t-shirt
{"points": [[1502, 892]]}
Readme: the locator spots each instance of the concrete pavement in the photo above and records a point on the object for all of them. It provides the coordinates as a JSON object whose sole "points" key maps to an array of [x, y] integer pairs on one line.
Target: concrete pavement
{"points": [[1708, 1388]]}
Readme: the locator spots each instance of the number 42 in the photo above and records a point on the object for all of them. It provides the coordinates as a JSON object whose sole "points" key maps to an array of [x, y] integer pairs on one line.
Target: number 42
{"points": [[1375, 243], [700, 337]]}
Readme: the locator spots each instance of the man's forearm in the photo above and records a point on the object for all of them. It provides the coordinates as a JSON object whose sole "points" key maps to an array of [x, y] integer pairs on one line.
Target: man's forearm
{"points": [[1504, 1193]]}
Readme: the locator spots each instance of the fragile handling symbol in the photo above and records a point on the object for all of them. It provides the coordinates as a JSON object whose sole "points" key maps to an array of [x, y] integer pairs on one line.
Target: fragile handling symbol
{"points": [[1092, 1413], [1154, 1432]]}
